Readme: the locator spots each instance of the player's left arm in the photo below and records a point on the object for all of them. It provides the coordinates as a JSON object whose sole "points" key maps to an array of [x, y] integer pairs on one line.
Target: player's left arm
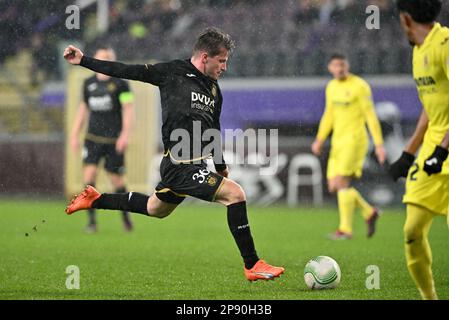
{"points": [[127, 101], [434, 163], [373, 122]]}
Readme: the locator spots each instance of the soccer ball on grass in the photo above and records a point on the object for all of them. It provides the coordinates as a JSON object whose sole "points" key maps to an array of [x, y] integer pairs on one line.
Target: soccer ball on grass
{"points": [[322, 272]]}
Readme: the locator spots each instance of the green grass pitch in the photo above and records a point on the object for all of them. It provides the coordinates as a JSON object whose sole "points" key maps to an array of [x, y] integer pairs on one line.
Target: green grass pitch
{"points": [[192, 255]]}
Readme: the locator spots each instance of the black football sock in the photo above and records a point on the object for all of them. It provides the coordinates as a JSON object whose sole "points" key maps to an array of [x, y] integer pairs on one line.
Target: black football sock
{"points": [[130, 201], [124, 212], [239, 226]]}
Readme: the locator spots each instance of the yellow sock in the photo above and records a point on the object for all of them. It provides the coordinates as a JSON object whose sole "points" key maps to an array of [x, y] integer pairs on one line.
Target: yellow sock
{"points": [[417, 250], [346, 207], [364, 206]]}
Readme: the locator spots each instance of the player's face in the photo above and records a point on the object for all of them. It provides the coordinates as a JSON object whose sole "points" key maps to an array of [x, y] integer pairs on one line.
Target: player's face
{"points": [[107, 55], [215, 66], [339, 68], [104, 54]]}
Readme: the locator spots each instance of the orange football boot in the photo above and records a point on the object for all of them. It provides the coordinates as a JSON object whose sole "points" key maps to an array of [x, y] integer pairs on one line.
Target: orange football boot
{"points": [[83, 201], [263, 271]]}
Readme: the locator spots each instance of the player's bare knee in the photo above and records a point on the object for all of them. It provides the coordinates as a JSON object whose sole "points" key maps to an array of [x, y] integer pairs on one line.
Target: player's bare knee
{"points": [[238, 195], [155, 211]]}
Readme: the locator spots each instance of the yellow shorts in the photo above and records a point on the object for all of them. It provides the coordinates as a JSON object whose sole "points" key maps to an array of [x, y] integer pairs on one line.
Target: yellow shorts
{"points": [[346, 160], [430, 192]]}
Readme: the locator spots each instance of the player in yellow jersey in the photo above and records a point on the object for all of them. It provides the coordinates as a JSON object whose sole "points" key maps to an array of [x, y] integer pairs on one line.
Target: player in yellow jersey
{"points": [[427, 186], [349, 107]]}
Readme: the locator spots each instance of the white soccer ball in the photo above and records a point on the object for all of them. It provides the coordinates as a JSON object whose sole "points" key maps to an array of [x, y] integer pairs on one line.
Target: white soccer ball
{"points": [[322, 272]]}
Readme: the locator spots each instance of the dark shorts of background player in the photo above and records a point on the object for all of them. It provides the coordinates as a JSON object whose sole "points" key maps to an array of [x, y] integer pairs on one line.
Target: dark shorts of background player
{"points": [[181, 180], [94, 151]]}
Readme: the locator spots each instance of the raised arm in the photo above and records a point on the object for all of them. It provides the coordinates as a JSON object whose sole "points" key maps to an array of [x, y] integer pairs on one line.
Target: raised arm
{"points": [[143, 72]]}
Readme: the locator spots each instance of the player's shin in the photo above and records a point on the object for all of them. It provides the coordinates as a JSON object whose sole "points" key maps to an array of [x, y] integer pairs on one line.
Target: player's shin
{"points": [[366, 208], [346, 207], [130, 201], [417, 250], [239, 226], [125, 214]]}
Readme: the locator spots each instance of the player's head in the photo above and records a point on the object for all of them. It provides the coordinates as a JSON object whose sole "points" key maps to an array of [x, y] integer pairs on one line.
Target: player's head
{"points": [[415, 13], [338, 66], [104, 53], [211, 52]]}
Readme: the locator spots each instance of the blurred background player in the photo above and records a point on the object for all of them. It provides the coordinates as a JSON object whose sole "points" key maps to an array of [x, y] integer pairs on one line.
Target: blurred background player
{"points": [[108, 105], [427, 186], [349, 107], [184, 172]]}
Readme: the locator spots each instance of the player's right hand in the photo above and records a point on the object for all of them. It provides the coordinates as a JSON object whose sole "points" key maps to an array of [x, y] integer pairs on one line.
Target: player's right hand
{"points": [[73, 55], [400, 167]]}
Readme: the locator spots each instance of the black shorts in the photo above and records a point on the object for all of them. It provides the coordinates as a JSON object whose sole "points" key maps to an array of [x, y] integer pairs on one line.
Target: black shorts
{"points": [[93, 152], [181, 180]]}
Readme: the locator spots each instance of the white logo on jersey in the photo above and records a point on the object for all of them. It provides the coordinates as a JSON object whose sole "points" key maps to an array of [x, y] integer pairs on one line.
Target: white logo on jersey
{"points": [[199, 97], [190, 75], [103, 103]]}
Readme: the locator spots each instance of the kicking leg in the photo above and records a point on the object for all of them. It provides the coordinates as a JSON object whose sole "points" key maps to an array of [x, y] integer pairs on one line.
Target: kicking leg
{"points": [[131, 201]]}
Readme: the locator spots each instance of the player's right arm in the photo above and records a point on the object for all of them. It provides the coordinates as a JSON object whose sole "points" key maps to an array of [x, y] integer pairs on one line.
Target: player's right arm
{"points": [[324, 128], [400, 167], [154, 74], [78, 124]]}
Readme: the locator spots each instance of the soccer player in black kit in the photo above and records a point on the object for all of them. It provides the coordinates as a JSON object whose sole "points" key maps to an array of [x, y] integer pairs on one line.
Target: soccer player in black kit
{"points": [[190, 94], [108, 104]]}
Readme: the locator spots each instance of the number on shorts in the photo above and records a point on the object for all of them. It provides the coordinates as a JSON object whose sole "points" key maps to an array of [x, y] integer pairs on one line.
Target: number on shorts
{"points": [[414, 172], [201, 176]]}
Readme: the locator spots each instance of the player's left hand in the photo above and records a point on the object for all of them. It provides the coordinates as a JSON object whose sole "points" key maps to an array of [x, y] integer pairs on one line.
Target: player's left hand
{"points": [[224, 173], [121, 144], [434, 163], [380, 154]]}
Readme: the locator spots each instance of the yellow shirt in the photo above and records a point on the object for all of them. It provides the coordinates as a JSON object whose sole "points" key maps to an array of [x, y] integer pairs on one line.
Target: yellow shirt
{"points": [[431, 74], [349, 107]]}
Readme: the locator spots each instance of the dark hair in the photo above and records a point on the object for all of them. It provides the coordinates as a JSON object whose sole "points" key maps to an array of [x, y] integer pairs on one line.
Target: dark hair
{"points": [[337, 56], [213, 41], [422, 11]]}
